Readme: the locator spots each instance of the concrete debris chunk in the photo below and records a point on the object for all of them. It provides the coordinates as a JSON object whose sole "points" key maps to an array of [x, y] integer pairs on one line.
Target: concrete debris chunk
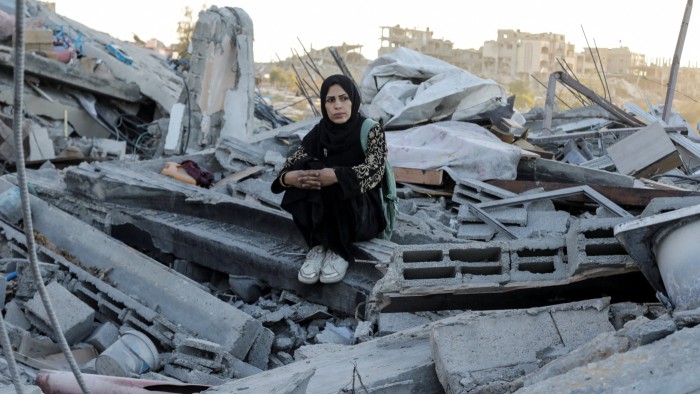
{"points": [[74, 316], [647, 368], [473, 355]]}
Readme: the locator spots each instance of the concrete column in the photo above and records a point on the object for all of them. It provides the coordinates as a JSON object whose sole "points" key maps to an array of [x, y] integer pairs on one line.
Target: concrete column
{"points": [[221, 80]]}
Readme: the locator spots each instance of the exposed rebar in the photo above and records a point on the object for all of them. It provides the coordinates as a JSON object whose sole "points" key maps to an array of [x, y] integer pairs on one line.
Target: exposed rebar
{"points": [[26, 208]]}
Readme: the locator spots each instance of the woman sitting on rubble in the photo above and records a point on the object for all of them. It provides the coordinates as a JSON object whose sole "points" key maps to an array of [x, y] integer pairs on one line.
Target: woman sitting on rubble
{"points": [[332, 185]]}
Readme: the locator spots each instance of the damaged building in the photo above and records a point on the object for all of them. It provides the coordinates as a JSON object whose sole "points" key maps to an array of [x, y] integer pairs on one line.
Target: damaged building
{"points": [[548, 251]]}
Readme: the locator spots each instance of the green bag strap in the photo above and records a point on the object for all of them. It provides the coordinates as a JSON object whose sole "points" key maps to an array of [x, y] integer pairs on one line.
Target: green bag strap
{"points": [[364, 132]]}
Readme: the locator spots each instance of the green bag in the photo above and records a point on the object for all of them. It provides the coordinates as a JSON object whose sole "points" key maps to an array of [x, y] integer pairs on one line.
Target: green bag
{"points": [[390, 202]]}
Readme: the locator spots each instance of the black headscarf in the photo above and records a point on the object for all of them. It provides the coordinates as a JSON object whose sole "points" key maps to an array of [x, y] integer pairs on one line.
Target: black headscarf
{"points": [[338, 137]]}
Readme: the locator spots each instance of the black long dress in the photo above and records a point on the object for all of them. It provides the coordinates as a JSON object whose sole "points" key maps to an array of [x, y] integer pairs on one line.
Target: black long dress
{"points": [[346, 212]]}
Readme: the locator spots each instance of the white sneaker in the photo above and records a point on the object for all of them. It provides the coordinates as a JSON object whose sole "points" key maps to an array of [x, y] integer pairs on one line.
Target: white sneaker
{"points": [[334, 268], [309, 271]]}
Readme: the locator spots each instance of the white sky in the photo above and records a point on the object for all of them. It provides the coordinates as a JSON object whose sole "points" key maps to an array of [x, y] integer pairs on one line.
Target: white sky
{"points": [[650, 27]]}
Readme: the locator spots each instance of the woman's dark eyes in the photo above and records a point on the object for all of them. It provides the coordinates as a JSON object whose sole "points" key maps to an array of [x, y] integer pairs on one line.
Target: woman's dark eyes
{"points": [[332, 99]]}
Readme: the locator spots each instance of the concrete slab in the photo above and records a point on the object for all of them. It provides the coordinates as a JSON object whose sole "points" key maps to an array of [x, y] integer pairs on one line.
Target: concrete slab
{"points": [[384, 361], [667, 365], [147, 280], [218, 245], [488, 351]]}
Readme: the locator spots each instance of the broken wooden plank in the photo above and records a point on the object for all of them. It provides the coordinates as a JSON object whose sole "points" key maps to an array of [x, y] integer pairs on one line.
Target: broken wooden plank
{"points": [[71, 76], [416, 176]]}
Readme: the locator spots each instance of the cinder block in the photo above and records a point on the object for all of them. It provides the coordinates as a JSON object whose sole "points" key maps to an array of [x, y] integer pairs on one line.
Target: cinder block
{"points": [[203, 352], [538, 259], [591, 243], [74, 316], [453, 264]]}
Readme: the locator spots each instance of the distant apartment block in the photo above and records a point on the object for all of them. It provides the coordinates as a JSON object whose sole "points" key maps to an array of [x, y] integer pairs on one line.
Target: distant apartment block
{"points": [[514, 53], [613, 60]]}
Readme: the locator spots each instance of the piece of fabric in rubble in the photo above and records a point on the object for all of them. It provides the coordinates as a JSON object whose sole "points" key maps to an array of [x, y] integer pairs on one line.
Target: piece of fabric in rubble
{"points": [[470, 150], [405, 88], [203, 177]]}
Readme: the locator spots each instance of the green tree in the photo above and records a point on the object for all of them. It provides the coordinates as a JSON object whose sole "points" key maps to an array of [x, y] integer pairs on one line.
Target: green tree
{"points": [[282, 78], [185, 28], [524, 97]]}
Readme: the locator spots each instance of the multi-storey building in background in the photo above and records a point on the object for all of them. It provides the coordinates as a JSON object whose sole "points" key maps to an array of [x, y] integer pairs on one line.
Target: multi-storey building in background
{"points": [[515, 53]]}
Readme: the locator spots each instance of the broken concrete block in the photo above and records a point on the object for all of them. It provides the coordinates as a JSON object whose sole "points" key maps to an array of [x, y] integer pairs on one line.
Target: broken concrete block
{"points": [[363, 332], [108, 149], [642, 331], [240, 369], [104, 335], [283, 343], [474, 356], [192, 376], [623, 312], [247, 287], [260, 351], [688, 318], [667, 365], [26, 287], [333, 334], [389, 323], [15, 316], [591, 243], [74, 316], [37, 346], [203, 352], [284, 357]]}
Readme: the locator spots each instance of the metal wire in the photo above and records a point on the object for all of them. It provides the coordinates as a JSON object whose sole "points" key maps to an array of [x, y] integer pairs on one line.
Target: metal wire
{"points": [[26, 209]]}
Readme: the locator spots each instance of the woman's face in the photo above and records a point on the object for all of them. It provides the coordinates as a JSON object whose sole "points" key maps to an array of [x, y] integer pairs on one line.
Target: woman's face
{"points": [[338, 105]]}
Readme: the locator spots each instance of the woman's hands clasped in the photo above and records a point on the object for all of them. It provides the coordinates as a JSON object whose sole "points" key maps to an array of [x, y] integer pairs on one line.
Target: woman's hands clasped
{"points": [[310, 179]]}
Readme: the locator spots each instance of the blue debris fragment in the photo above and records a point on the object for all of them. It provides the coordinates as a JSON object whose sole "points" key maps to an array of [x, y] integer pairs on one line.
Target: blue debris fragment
{"points": [[117, 52]]}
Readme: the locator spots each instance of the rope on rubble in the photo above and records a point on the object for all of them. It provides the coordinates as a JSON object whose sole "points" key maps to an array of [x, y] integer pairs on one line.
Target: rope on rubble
{"points": [[26, 210]]}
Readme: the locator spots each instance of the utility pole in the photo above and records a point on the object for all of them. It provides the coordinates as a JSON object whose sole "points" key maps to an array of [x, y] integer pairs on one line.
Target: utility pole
{"points": [[676, 62]]}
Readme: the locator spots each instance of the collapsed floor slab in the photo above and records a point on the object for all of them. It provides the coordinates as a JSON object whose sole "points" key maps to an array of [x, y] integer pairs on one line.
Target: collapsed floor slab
{"points": [[139, 206], [145, 279], [237, 250]]}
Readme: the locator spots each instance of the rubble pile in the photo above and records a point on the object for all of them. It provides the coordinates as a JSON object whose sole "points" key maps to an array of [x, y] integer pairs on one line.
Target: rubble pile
{"points": [[547, 251]]}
